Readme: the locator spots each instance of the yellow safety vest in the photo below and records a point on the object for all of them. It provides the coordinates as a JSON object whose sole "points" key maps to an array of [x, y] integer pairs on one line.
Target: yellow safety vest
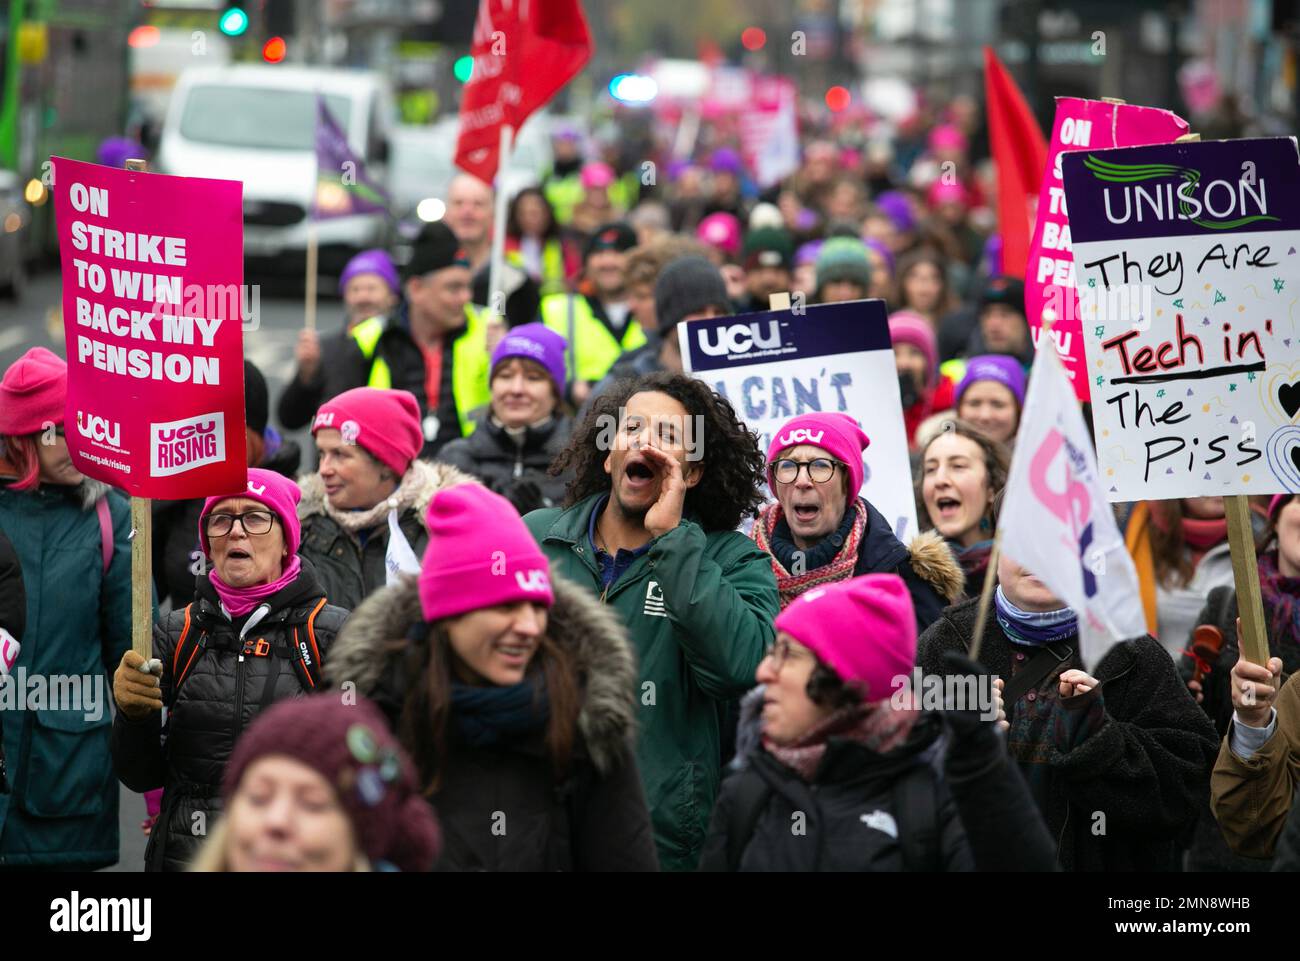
{"points": [[552, 267], [469, 365], [595, 348]]}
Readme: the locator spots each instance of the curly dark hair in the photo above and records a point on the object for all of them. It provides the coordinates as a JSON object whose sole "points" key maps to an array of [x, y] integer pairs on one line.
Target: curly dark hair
{"points": [[733, 465]]}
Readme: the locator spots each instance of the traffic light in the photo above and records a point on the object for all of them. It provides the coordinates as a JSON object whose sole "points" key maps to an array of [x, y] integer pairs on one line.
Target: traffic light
{"points": [[273, 50], [234, 21]]}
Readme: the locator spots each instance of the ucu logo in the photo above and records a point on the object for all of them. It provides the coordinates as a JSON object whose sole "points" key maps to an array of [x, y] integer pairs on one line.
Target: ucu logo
{"points": [[741, 338], [189, 430], [534, 581], [801, 435], [94, 427], [324, 420], [259, 491]]}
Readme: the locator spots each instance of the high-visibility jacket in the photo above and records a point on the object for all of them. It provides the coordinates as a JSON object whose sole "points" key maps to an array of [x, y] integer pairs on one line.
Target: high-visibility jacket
{"points": [[592, 347], [552, 280], [469, 364]]}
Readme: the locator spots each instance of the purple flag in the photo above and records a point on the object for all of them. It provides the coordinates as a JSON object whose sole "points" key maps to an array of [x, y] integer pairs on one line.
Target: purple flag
{"points": [[343, 187]]}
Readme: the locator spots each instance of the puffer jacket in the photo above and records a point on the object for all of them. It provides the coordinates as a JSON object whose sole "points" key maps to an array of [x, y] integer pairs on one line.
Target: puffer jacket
{"points": [[593, 819], [221, 695], [62, 810], [347, 548], [514, 465]]}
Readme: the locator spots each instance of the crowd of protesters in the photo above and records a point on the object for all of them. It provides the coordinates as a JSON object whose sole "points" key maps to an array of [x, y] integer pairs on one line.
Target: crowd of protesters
{"points": [[514, 618]]}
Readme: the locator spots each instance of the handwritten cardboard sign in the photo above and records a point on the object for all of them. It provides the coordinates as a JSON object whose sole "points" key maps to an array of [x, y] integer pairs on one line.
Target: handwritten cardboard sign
{"points": [[1188, 278]]}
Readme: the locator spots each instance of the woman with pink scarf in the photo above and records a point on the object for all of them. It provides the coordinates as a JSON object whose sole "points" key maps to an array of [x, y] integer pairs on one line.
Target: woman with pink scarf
{"points": [[257, 631]]}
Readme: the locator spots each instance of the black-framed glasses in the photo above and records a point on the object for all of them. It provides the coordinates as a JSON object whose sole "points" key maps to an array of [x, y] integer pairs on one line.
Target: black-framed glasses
{"points": [[254, 523], [781, 651], [820, 469]]}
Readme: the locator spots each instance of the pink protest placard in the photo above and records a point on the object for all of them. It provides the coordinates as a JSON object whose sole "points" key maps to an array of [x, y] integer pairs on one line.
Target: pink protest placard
{"points": [[152, 315], [1049, 276]]}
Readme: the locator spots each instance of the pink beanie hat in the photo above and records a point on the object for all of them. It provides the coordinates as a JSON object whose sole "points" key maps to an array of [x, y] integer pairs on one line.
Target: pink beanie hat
{"points": [[1276, 504], [384, 422], [837, 434], [33, 393], [864, 629], [479, 554], [266, 487], [909, 327]]}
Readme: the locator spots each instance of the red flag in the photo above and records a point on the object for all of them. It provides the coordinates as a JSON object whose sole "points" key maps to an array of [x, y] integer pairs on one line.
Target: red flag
{"points": [[524, 51], [1020, 153]]}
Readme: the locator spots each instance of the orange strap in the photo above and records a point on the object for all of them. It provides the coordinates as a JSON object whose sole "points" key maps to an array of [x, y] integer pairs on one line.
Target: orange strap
{"points": [[1137, 538], [311, 631], [177, 677]]}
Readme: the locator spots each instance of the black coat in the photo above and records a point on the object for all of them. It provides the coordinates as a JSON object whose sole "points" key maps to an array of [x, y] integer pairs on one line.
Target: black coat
{"points": [[855, 814], [882, 553], [515, 469], [13, 617], [592, 819], [221, 696], [1147, 769]]}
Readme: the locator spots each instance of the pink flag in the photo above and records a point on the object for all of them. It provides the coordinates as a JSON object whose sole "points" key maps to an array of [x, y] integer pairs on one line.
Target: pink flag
{"points": [[152, 314], [1049, 277]]}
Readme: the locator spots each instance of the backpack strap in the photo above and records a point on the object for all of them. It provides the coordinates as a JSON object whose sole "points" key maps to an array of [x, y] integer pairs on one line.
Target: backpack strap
{"points": [[1033, 673], [916, 816], [105, 531], [188, 648], [306, 657], [747, 806]]}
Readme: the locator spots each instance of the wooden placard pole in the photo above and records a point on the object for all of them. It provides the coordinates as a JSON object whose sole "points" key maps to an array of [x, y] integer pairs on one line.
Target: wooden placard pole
{"points": [[309, 314], [1245, 572], [986, 596], [141, 550]]}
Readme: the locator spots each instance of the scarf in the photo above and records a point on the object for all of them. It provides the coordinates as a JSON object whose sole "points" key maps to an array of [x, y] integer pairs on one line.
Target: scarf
{"points": [[877, 726], [238, 601], [1200, 535], [1034, 628], [974, 561], [1281, 594], [485, 716], [824, 563]]}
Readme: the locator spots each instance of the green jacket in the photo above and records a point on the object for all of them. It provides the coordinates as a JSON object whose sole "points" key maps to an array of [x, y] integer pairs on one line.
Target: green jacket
{"points": [[63, 810], [699, 609]]}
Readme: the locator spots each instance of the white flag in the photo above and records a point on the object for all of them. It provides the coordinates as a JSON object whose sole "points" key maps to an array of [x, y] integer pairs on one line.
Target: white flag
{"points": [[1056, 522], [399, 558]]}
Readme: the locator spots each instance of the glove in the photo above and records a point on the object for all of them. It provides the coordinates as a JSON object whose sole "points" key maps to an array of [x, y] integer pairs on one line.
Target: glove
{"points": [[524, 494], [965, 720], [136, 689]]}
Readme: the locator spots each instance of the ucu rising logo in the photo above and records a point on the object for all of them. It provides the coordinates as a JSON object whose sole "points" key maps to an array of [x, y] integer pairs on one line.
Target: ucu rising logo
{"points": [[741, 338], [534, 581], [94, 427], [800, 435]]}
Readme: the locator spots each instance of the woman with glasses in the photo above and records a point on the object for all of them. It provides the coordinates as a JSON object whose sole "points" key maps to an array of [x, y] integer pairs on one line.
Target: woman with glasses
{"points": [[821, 530], [70, 536], [256, 632], [840, 770]]}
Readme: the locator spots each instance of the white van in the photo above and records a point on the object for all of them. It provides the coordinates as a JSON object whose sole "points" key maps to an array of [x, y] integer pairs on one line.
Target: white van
{"points": [[257, 123]]}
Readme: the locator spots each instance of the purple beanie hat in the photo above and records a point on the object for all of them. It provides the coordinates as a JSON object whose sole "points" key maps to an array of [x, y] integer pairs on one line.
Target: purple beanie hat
{"points": [[897, 208], [878, 245], [539, 343], [837, 434], [374, 261], [864, 629], [999, 367], [266, 487]]}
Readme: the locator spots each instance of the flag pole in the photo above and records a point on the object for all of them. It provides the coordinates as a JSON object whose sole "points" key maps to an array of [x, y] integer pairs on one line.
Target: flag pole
{"points": [[499, 225], [986, 595], [309, 315], [141, 548]]}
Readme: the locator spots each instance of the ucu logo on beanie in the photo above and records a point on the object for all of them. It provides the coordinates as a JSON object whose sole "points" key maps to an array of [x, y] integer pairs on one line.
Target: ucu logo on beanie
{"points": [[801, 435], [535, 581]]}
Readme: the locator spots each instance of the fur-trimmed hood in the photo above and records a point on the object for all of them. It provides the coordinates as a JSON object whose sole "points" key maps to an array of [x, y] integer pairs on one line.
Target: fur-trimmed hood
{"points": [[90, 492], [933, 562], [421, 481], [585, 627]]}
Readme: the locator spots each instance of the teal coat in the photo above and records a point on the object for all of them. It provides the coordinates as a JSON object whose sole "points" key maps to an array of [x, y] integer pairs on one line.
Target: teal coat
{"points": [[62, 811], [699, 609]]}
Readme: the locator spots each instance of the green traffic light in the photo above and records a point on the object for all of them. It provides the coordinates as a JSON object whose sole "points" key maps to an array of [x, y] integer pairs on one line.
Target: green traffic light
{"points": [[463, 68], [234, 22]]}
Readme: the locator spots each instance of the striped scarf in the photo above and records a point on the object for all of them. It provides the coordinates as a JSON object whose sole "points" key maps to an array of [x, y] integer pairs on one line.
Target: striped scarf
{"points": [[840, 568]]}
